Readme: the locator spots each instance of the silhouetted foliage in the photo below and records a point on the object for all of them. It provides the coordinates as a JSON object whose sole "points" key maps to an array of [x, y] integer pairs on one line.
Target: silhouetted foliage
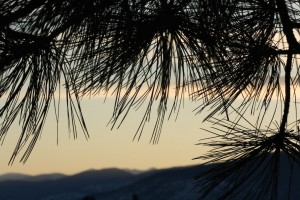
{"points": [[135, 197], [213, 51], [88, 198]]}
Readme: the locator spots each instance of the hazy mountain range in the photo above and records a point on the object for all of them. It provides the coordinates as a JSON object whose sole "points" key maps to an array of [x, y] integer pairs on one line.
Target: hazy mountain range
{"points": [[173, 183], [116, 184], [24, 177]]}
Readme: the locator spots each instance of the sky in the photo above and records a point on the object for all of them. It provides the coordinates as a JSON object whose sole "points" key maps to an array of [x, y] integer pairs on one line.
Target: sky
{"points": [[107, 148]]}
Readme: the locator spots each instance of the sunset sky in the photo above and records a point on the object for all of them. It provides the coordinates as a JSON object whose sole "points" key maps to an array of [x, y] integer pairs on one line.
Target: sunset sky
{"points": [[108, 148], [112, 148]]}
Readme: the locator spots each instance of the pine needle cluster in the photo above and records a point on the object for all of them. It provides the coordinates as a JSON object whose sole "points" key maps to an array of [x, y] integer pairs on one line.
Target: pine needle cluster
{"points": [[212, 51]]}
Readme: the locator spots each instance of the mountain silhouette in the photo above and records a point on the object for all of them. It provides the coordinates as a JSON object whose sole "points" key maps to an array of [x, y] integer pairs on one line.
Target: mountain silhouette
{"points": [[34, 190], [175, 183], [24, 177]]}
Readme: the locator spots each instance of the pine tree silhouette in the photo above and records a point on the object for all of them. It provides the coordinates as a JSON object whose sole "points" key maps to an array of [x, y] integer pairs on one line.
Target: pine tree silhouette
{"points": [[88, 198], [213, 51], [135, 197]]}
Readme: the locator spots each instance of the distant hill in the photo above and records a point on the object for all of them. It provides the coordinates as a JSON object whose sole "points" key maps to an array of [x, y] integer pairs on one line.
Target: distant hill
{"points": [[24, 177], [167, 184], [103, 184], [115, 184], [178, 184], [78, 185]]}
